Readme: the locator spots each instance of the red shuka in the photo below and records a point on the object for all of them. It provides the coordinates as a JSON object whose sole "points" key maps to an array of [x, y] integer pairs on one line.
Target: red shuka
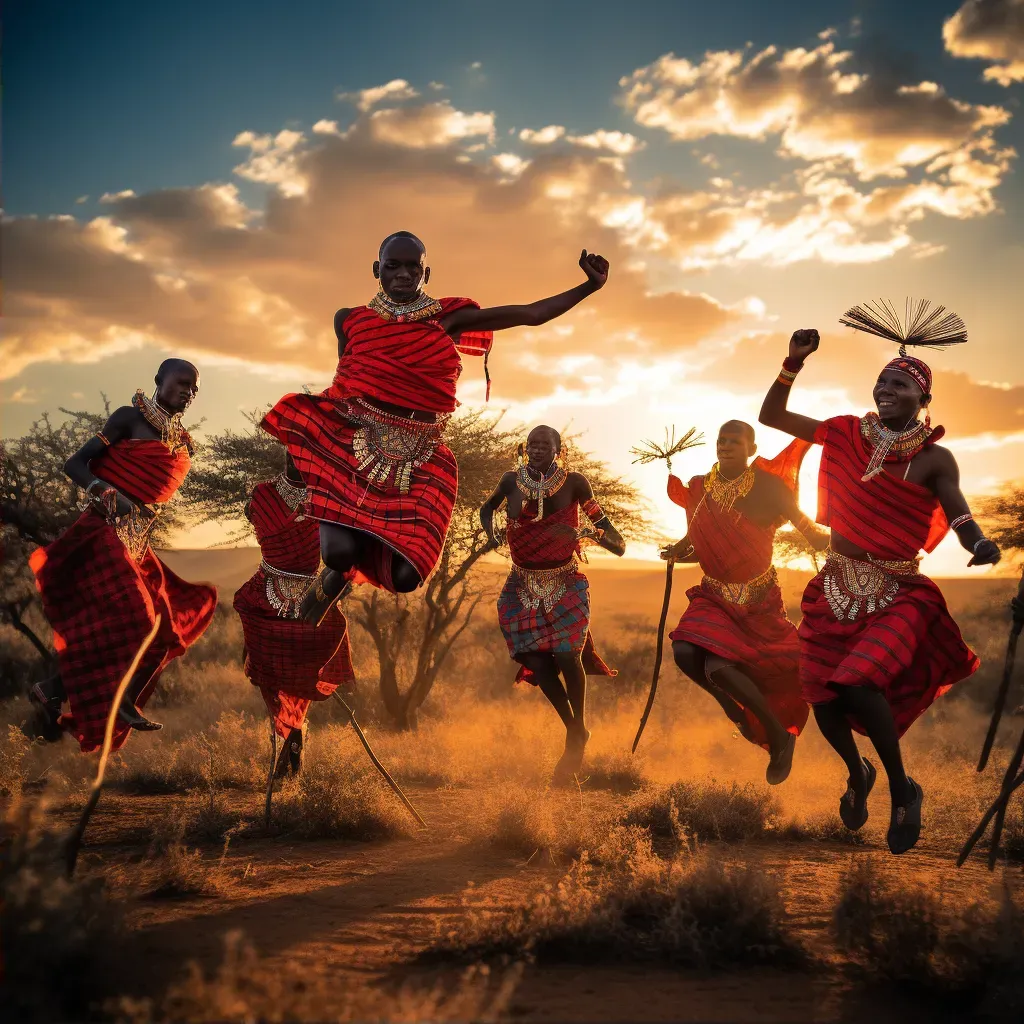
{"points": [[291, 661], [565, 627], [414, 365], [102, 604], [912, 650], [758, 637]]}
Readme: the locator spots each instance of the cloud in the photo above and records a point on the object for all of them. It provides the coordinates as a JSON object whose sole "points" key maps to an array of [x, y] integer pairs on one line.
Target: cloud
{"points": [[817, 107], [989, 30], [429, 126], [619, 143], [24, 396], [395, 90], [199, 272]]}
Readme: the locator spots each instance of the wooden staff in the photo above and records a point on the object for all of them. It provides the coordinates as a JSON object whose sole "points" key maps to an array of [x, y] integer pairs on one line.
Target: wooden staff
{"points": [[670, 564], [77, 834]]}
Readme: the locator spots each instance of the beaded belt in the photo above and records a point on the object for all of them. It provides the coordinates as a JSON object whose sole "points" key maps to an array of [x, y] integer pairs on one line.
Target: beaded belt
{"points": [[389, 446], [285, 589], [545, 587], [748, 592], [133, 531], [853, 587]]}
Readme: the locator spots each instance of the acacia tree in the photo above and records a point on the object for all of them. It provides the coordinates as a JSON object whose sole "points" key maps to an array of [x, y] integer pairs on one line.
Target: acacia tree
{"points": [[413, 634], [1004, 517]]}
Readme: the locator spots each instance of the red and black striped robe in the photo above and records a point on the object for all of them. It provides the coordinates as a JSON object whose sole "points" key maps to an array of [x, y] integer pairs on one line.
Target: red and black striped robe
{"points": [[292, 662], [758, 637], [565, 627], [102, 604], [414, 365], [912, 650]]}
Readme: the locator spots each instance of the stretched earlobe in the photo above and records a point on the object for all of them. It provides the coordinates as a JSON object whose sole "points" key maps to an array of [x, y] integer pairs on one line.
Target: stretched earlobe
{"points": [[376, 269], [426, 275]]}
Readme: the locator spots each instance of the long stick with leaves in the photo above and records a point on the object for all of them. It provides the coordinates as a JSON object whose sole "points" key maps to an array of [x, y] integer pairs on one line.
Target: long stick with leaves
{"points": [[646, 453]]}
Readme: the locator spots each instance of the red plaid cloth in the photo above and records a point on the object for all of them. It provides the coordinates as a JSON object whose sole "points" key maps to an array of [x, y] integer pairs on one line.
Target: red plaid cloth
{"points": [[912, 650], [758, 637], [414, 365], [102, 605], [291, 661], [565, 627]]}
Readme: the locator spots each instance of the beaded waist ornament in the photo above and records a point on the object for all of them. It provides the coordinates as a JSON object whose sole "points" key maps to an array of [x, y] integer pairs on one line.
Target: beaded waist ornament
{"points": [[749, 592], [133, 531], [285, 589], [389, 446], [543, 587], [854, 588]]}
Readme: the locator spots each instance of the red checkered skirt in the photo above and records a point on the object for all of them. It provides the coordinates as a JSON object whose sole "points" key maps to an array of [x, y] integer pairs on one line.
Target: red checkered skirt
{"points": [[319, 437], [292, 662], [761, 641], [912, 650], [102, 605], [561, 629]]}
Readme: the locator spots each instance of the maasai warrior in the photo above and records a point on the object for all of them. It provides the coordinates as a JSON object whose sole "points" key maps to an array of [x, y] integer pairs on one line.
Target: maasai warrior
{"points": [[101, 584], [734, 639], [544, 607], [877, 643], [291, 661], [380, 480]]}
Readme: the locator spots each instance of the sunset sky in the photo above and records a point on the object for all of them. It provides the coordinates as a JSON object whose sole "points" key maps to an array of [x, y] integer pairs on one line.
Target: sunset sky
{"points": [[212, 180]]}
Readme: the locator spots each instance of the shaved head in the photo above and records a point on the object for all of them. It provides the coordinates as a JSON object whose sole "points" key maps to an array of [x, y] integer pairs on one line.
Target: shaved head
{"points": [[738, 427], [173, 365], [400, 234], [556, 437]]}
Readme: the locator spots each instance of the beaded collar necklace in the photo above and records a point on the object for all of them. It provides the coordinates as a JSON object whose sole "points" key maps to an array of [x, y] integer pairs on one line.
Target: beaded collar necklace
{"points": [[537, 490], [725, 492], [172, 433], [423, 307], [293, 495], [890, 445]]}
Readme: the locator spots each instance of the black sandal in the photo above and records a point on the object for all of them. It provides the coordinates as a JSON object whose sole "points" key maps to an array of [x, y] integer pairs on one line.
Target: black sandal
{"points": [[44, 722], [781, 763], [905, 823], [852, 815], [128, 714]]}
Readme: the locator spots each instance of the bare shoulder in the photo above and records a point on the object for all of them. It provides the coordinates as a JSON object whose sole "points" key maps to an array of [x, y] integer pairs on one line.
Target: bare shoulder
{"points": [[942, 459], [122, 418], [507, 482], [579, 485], [339, 320]]}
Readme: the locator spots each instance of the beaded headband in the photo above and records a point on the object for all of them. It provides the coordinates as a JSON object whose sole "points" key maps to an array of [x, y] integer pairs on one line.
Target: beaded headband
{"points": [[919, 370]]}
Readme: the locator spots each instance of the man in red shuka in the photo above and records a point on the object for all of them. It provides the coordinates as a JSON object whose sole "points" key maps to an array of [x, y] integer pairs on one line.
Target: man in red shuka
{"points": [[381, 481], [734, 639], [544, 607], [292, 662], [877, 643], [101, 584]]}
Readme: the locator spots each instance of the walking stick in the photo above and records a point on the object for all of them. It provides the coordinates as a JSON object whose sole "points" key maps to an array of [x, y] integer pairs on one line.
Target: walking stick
{"points": [[376, 763], [670, 565], [270, 776], [646, 453], [1004, 686], [74, 840]]}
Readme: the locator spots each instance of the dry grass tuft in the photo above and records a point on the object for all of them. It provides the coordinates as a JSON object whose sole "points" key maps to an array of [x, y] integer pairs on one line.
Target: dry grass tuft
{"points": [[822, 828], [617, 770], [179, 872], [244, 990], [626, 904], [60, 935], [706, 811], [909, 937], [337, 797], [13, 752]]}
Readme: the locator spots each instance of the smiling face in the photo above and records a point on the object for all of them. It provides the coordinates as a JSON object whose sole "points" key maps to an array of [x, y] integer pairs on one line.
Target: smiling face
{"points": [[543, 444], [898, 398], [735, 447], [176, 385], [402, 268]]}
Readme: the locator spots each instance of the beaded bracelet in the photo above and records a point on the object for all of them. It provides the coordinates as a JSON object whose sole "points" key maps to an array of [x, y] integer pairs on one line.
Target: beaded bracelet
{"points": [[960, 520], [790, 368]]}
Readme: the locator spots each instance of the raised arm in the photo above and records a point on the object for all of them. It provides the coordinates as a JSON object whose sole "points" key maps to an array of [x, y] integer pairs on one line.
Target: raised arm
{"points": [[946, 487], [810, 531], [774, 411], [117, 427], [501, 318], [492, 504]]}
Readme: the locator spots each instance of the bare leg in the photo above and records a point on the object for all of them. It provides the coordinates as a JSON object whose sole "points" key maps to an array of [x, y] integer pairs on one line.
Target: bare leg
{"points": [[340, 549], [404, 577], [835, 727], [872, 710], [571, 667], [545, 671], [690, 660], [738, 685]]}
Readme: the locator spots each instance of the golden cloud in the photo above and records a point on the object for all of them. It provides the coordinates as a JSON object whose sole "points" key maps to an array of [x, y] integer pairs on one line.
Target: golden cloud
{"points": [[993, 31]]}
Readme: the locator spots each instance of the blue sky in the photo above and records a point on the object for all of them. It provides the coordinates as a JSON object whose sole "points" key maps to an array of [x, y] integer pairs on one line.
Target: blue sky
{"points": [[740, 231]]}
